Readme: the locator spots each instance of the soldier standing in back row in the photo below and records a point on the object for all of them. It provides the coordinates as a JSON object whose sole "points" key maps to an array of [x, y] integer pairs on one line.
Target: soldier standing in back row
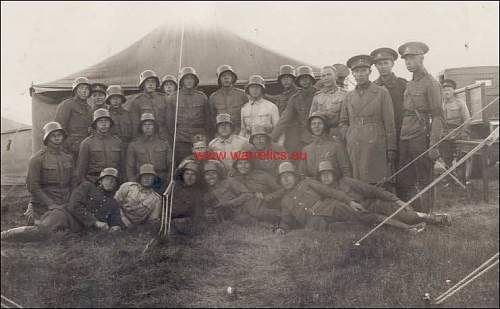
{"points": [[421, 126], [122, 124], [342, 73], [100, 150], [98, 96], [169, 85], [147, 101], [50, 174], [384, 59], [228, 99], [75, 116], [193, 114], [297, 112], [368, 120]]}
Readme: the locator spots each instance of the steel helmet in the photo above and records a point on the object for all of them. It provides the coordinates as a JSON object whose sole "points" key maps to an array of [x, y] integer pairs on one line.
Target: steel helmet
{"points": [[147, 116], [259, 130], [225, 68], [108, 171], [115, 90], [169, 78], [317, 114], [256, 80], [286, 69], [147, 169], [188, 71], [342, 70], [80, 81], [304, 70], [190, 165], [101, 113], [325, 166], [146, 75], [221, 118], [286, 167], [213, 165], [49, 128]]}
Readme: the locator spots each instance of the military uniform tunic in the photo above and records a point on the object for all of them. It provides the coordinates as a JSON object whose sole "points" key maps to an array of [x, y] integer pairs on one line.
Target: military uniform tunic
{"points": [[260, 113], [328, 101], [324, 148], [228, 101], [138, 204], [75, 116], [153, 103], [229, 147], [122, 124]]}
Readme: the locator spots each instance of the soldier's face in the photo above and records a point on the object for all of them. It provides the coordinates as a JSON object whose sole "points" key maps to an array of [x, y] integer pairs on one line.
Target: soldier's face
{"points": [[305, 81], [103, 125], [189, 177], [109, 183], [169, 87], [148, 127], [224, 129], [243, 167], [287, 81], [211, 178], [448, 92], [260, 141], [328, 76], [361, 75], [255, 91], [326, 177], [56, 138], [226, 79], [83, 91], [384, 66], [98, 97], [413, 62], [200, 149], [147, 180], [288, 180], [115, 101], [150, 85], [188, 82], [317, 126]]}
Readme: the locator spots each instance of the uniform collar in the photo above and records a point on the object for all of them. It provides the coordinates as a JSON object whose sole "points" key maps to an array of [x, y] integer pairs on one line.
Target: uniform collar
{"points": [[227, 140], [419, 75], [226, 89], [52, 149], [101, 136], [258, 101], [309, 91], [389, 80], [292, 88], [330, 89], [116, 110], [187, 91], [364, 86]]}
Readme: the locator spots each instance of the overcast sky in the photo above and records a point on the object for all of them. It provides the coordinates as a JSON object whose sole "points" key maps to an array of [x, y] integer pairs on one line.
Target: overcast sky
{"points": [[42, 42]]}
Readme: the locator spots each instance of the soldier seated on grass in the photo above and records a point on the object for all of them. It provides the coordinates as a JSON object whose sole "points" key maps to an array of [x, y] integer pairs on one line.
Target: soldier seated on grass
{"points": [[91, 207], [375, 200], [140, 204]]}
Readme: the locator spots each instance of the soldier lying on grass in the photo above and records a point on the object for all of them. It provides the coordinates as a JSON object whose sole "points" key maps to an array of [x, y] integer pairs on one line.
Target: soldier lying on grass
{"points": [[91, 207], [308, 202]]}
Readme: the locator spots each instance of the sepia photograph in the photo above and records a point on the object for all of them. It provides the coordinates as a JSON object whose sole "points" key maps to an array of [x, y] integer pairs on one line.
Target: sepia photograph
{"points": [[249, 154]]}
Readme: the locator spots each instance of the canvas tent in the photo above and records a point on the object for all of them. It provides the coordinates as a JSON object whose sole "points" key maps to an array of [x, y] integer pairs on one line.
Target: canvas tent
{"points": [[204, 47], [16, 151]]}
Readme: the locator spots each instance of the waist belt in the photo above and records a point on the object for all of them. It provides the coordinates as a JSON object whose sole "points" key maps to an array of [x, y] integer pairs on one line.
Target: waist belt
{"points": [[366, 120], [413, 113]]}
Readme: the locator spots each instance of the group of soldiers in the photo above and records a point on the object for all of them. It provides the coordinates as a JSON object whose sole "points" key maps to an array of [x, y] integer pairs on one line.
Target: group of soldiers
{"points": [[151, 142]]}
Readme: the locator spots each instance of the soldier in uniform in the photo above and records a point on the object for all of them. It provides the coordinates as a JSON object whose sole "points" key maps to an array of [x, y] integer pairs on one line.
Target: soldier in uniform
{"points": [[257, 111], [50, 174], [328, 100], [169, 85], [150, 100], [421, 127], [323, 147], [75, 116], [367, 119], [227, 143], [228, 99], [375, 200], [100, 150], [297, 112], [97, 97], [122, 123], [140, 204], [342, 73], [455, 114], [91, 207], [261, 140], [149, 148]]}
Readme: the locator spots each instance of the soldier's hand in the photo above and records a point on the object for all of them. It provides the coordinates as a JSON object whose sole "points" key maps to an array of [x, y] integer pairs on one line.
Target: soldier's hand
{"points": [[434, 154], [280, 231], [114, 229], [103, 226], [30, 214], [259, 195], [357, 207]]}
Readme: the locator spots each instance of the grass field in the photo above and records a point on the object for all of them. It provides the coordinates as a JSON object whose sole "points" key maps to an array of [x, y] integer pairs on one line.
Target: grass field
{"points": [[302, 268]]}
